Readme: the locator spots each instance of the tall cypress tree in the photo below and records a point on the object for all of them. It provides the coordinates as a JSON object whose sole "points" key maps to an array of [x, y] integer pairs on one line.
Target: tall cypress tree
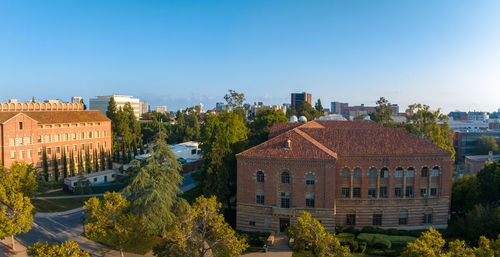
{"points": [[72, 167], [96, 161], [45, 164], [103, 159], [65, 164], [112, 113], [88, 164], [56, 168], [81, 171], [110, 160]]}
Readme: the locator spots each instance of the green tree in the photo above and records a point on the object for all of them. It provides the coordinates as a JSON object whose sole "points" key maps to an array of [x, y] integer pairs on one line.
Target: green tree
{"points": [[260, 127], [485, 144], [80, 163], [424, 123], [112, 113], [16, 210], [109, 218], [309, 234], [318, 106], [45, 164], [103, 159], [56, 168], [429, 244], [234, 99], [88, 161], [65, 163], [488, 247], [465, 193], [96, 160], [200, 232], [383, 113], [67, 249], [153, 191], [223, 136], [305, 109], [72, 167], [83, 103], [110, 161], [20, 178]]}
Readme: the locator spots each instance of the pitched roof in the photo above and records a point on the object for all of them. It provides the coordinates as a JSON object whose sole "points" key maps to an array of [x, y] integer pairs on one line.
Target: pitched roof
{"points": [[281, 127], [50, 117], [327, 139]]}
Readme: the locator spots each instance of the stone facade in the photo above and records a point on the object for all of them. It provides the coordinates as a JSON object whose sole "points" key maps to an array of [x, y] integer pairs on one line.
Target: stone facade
{"points": [[361, 187]]}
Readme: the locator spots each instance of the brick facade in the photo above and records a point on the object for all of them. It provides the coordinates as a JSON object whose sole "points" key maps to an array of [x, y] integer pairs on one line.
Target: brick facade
{"points": [[24, 135], [331, 175]]}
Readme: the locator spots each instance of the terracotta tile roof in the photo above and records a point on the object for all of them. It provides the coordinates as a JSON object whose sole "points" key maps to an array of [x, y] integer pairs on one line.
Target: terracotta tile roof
{"points": [[50, 117], [281, 127], [327, 139]]}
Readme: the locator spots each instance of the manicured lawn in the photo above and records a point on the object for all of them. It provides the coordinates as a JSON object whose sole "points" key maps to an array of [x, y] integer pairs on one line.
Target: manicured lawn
{"points": [[192, 194], [58, 205], [55, 193], [139, 246]]}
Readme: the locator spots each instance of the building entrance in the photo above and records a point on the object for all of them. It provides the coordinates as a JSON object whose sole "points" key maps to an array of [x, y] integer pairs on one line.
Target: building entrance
{"points": [[284, 224]]}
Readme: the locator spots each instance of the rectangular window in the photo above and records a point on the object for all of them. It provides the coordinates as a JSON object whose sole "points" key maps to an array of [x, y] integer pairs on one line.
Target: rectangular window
{"points": [[58, 150], [398, 192], [309, 200], [74, 136], [39, 164], [12, 155], [90, 146], [82, 147], [49, 151], [259, 197], [383, 192], [56, 138], [345, 192], [97, 134], [39, 151], [12, 141], [427, 218], [90, 134], [20, 126], [199, 152], [351, 220], [251, 221], [104, 133], [410, 173], [267, 222], [434, 191], [372, 192], [83, 135], [423, 191], [21, 154], [29, 153], [39, 140], [27, 140], [193, 152], [377, 220], [435, 172], [403, 219], [285, 200], [356, 192], [409, 191]]}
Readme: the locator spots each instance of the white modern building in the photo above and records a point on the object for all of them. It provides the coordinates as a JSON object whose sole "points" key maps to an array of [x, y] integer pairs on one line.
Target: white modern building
{"points": [[96, 178], [161, 108], [76, 99], [190, 151], [101, 104]]}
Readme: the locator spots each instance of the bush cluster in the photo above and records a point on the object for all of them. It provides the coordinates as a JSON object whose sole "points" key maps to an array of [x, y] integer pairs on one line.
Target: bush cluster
{"points": [[255, 239]]}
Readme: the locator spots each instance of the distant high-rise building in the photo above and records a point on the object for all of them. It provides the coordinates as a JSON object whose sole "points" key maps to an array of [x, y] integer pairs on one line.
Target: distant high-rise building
{"points": [[298, 98], [161, 108], [76, 99], [336, 107], [220, 106], [101, 104]]}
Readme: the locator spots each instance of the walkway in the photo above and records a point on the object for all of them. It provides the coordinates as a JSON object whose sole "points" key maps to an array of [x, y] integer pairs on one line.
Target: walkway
{"points": [[279, 249]]}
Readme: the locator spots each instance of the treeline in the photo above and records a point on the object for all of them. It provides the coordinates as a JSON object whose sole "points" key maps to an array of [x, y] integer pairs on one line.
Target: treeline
{"points": [[187, 127]]}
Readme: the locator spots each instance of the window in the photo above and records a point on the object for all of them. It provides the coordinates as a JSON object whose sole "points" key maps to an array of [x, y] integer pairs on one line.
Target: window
{"points": [[372, 192], [384, 173], [39, 151], [377, 220], [21, 154], [425, 172], [74, 148], [193, 152], [56, 138], [27, 140], [49, 151], [39, 140], [82, 135], [409, 191], [356, 192], [29, 153], [345, 192], [423, 191], [357, 173], [66, 137], [251, 221], [259, 197], [285, 200], [427, 218], [372, 173], [267, 222], [20, 126], [435, 171], [434, 191], [309, 200], [410, 173], [398, 173], [12, 141], [74, 136], [345, 173], [58, 150], [351, 220], [398, 192], [310, 179], [403, 219], [90, 146], [383, 192], [285, 178], [39, 164], [260, 177], [97, 135], [12, 155]]}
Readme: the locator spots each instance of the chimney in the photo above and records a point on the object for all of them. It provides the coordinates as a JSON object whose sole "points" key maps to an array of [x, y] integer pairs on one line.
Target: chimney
{"points": [[288, 144]]}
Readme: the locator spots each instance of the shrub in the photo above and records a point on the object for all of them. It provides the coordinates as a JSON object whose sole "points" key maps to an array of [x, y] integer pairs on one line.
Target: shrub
{"points": [[372, 230], [362, 247], [386, 252], [256, 239], [339, 229], [381, 243], [348, 239], [351, 230]]}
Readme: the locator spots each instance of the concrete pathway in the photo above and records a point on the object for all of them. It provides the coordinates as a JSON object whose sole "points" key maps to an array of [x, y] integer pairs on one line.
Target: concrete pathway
{"points": [[65, 196], [278, 249]]}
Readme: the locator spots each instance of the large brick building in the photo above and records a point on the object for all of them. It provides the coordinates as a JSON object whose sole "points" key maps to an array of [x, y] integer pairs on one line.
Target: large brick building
{"points": [[345, 173], [27, 129]]}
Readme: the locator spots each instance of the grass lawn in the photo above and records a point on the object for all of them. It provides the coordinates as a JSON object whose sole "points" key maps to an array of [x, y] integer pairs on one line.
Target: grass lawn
{"points": [[138, 246], [58, 205], [192, 194], [55, 193]]}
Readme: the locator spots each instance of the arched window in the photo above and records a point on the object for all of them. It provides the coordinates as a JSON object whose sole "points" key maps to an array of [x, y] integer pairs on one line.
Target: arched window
{"points": [[357, 173], [310, 179], [372, 173], [410, 173], [424, 172], [260, 176], [285, 178], [384, 173], [398, 173], [435, 171], [345, 173]]}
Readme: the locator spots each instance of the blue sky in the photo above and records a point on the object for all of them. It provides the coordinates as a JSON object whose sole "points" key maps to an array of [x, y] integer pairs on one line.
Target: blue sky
{"points": [[180, 53]]}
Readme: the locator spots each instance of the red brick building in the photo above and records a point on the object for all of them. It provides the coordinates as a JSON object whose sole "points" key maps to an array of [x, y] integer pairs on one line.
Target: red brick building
{"points": [[24, 133], [349, 173]]}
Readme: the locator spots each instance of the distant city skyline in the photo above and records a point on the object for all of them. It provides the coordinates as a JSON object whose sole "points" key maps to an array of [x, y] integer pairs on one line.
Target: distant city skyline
{"points": [[180, 53]]}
